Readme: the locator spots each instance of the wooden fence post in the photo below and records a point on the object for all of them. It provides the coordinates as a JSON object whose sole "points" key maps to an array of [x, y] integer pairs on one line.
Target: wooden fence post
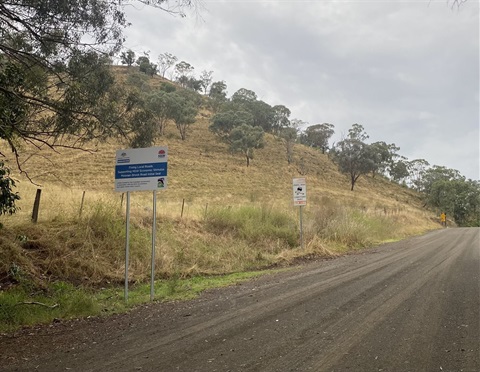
{"points": [[81, 205], [36, 206]]}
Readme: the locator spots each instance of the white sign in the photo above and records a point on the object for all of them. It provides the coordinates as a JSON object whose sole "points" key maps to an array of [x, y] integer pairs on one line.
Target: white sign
{"points": [[299, 191], [141, 169]]}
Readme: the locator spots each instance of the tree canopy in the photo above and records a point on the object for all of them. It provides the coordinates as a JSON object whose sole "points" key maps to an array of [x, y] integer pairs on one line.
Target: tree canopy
{"points": [[53, 81], [54, 76], [318, 136], [56, 88], [351, 154], [245, 139]]}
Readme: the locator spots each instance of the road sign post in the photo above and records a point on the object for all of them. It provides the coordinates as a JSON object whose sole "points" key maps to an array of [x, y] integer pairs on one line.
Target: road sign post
{"points": [[127, 244], [141, 169], [300, 200]]}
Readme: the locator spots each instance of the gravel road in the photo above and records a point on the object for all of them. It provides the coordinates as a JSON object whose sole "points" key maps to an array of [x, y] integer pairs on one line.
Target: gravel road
{"points": [[407, 306]]}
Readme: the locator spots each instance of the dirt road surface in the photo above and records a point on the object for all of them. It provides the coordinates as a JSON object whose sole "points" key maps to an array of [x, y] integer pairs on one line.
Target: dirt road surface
{"points": [[406, 306]]}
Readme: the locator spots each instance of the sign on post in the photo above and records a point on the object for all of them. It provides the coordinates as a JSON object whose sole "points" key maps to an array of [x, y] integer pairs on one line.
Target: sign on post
{"points": [[141, 169], [300, 200], [299, 192]]}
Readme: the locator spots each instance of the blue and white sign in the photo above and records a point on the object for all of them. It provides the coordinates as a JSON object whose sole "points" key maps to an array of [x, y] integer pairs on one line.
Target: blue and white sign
{"points": [[141, 169]]}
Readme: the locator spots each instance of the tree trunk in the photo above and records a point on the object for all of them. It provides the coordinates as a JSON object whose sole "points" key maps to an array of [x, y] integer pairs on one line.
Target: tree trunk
{"points": [[248, 160]]}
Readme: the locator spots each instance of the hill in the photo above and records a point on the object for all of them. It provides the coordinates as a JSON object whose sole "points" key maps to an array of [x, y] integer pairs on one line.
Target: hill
{"points": [[202, 169], [217, 216]]}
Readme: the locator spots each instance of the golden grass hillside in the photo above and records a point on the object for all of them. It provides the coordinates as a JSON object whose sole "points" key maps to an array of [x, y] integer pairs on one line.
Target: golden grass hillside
{"points": [[234, 218]]}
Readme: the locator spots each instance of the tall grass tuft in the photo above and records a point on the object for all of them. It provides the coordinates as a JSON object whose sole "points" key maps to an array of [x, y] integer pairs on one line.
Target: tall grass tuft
{"points": [[351, 227], [87, 250], [254, 224]]}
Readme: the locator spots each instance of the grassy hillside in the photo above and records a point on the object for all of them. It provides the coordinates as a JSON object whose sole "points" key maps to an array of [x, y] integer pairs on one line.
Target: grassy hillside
{"points": [[235, 218], [201, 170], [217, 216]]}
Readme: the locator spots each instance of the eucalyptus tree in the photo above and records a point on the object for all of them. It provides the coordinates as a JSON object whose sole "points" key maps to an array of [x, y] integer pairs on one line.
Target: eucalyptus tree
{"points": [[459, 198], [206, 79], [165, 62], [56, 87], [317, 136], [55, 80], [223, 123], [382, 156], [281, 115], [289, 136], [145, 66], [127, 57], [161, 105], [217, 95], [143, 125], [236, 129], [263, 113], [437, 173], [416, 170], [183, 71], [244, 96], [183, 111], [193, 84], [351, 154], [398, 170], [245, 139]]}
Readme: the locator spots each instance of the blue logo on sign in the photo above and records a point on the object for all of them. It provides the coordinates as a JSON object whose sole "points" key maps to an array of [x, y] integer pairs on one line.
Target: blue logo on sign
{"points": [[123, 158]]}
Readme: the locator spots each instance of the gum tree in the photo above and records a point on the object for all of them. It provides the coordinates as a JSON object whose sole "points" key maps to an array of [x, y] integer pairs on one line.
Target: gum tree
{"points": [[351, 154], [56, 87]]}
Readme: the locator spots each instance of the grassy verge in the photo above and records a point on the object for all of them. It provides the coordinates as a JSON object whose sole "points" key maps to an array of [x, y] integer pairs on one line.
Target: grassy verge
{"points": [[25, 305], [69, 260]]}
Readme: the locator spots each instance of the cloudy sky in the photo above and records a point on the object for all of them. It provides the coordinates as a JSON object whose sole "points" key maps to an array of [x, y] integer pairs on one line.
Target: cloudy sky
{"points": [[407, 70]]}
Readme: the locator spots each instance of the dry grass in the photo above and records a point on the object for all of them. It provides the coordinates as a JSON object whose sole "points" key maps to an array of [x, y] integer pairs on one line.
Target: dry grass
{"points": [[208, 181]]}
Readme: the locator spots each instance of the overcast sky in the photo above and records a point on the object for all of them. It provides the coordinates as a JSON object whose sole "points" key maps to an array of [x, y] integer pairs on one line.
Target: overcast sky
{"points": [[408, 71]]}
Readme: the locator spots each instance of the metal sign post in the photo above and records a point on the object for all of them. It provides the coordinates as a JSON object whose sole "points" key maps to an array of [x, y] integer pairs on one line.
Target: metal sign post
{"points": [[301, 227], [141, 170], [127, 243], [154, 229], [300, 200]]}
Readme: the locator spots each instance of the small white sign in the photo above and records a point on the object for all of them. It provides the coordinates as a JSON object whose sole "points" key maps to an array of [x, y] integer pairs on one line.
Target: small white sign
{"points": [[141, 169], [299, 191]]}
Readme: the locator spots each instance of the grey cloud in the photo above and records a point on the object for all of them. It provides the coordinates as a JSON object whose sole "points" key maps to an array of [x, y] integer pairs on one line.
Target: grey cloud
{"points": [[407, 71]]}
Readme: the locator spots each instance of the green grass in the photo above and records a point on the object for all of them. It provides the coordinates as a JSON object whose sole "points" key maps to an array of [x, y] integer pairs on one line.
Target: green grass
{"points": [[23, 306], [254, 224]]}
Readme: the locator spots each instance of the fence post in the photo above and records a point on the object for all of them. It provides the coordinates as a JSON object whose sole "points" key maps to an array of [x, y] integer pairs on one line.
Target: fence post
{"points": [[81, 205], [36, 206], [183, 205]]}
